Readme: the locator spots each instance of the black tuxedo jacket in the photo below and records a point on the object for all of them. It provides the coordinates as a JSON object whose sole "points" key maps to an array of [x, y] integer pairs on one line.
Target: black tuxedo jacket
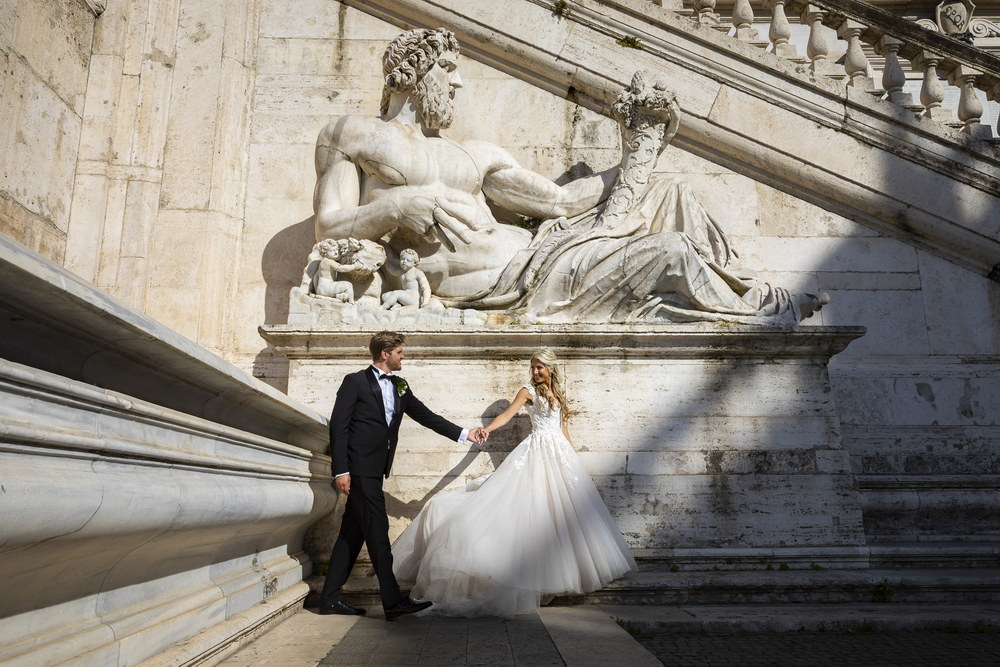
{"points": [[361, 443]]}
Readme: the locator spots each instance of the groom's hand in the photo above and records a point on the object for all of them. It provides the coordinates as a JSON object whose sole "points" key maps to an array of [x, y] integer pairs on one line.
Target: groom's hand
{"points": [[479, 435], [343, 484]]}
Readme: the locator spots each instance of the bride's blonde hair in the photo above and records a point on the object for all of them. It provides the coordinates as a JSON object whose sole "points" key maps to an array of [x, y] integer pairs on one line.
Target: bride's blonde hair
{"points": [[558, 396]]}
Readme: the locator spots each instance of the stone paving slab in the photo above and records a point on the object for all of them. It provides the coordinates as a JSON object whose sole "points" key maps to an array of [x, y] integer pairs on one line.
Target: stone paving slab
{"points": [[588, 635], [873, 617], [645, 635], [826, 649], [557, 636], [429, 639], [301, 640]]}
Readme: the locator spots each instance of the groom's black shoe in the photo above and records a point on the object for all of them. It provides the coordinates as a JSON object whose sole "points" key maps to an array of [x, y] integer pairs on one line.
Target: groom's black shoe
{"points": [[340, 607], [405, 606]]}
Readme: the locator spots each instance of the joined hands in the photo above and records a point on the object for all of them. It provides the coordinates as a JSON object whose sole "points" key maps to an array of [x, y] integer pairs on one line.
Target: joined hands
{"points": [[478, 435]]}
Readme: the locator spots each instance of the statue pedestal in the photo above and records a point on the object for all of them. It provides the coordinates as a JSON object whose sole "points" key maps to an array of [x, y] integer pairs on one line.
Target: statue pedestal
{"points": [[713, 445]]}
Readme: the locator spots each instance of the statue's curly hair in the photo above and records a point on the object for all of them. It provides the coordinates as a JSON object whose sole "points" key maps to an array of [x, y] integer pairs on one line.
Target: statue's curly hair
{"points": [[410, 56]]}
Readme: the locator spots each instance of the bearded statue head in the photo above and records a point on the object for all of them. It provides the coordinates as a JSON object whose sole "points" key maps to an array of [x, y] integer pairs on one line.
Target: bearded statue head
{"points": [[407, 60]]}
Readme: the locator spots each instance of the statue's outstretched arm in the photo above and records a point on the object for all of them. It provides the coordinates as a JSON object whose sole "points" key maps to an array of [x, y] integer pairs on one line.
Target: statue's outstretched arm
{"points": [[528, 193]]}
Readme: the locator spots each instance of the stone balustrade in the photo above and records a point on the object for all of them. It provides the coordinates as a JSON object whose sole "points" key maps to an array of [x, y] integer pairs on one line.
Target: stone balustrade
{"points": [[862, 25]]}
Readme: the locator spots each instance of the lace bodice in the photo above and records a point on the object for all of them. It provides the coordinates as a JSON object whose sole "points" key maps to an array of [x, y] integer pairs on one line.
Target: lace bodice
{"points": [[544, 419]]}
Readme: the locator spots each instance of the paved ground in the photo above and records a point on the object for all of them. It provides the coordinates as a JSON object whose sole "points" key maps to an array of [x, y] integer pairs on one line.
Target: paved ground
{"points": [[645, 635], [794, 649]]}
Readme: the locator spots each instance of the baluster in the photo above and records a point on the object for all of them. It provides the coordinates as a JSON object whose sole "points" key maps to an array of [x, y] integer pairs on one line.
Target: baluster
{"points": [[893, 76], [931, 90], [743, 21], [780, 31], [817, 48], [995, 96], [856, 62], [706, 12], [970, 108]]}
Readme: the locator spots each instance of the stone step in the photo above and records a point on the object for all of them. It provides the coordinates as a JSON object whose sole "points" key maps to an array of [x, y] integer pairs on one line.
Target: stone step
{"points": [[977, 617], [858, 586], [882, 556], [932, 555], [798, 586]]}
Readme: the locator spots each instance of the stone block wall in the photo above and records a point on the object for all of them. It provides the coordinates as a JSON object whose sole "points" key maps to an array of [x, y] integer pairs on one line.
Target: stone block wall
{"points": [[44, 70], [711, 445], [157, 214], [918, 394]]}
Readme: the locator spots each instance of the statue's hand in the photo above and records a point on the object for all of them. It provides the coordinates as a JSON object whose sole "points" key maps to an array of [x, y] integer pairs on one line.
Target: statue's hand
{"points": [[440, 217], [458, 218]]}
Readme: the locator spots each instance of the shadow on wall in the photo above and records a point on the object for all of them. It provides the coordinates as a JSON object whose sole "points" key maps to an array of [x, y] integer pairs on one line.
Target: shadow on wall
{"points": [[497, 448], [281, 266]]}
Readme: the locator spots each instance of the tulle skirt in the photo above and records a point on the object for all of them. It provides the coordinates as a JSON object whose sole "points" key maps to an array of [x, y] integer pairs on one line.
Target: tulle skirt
{"points": [[534, 528]]}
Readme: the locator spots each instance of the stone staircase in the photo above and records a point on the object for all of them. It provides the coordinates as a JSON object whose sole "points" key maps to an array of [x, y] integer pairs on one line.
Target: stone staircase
{"points": [[900, 573], [799, 586]]}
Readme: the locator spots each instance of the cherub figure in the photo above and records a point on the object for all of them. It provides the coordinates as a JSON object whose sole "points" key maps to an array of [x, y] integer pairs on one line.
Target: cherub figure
{"points": [[329, 258], [416, 290]]}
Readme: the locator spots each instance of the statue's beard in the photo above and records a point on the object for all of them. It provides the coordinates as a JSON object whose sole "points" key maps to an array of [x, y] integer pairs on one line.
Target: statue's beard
{"points": [[437, 110]]}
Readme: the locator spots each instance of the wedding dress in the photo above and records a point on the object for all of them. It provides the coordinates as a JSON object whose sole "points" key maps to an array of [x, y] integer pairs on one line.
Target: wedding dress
{"points": [[534, 528]]}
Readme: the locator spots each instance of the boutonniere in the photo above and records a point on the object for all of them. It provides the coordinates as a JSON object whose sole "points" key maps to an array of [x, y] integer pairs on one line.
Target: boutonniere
{"points": [[401, 385]]}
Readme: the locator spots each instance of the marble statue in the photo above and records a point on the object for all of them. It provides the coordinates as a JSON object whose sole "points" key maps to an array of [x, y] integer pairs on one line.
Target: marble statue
{"points": [[618, 245], [416, 291], [344, 270]]}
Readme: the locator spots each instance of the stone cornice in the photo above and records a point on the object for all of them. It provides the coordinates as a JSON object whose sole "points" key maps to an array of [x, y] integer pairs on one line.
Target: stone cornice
{"points": [[210, 446], [582, 62], [629, 341]]}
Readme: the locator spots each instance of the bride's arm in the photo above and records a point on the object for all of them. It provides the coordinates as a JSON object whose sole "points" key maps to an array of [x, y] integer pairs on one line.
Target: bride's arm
{"points": [[501, 419]]}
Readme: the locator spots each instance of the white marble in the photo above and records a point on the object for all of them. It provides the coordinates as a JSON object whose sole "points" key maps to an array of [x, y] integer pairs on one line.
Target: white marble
{"points": [[611, 247], [151, 490]]}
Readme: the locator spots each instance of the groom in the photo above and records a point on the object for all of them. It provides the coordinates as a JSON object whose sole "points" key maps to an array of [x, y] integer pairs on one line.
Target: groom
{"points": [[364, 430]]}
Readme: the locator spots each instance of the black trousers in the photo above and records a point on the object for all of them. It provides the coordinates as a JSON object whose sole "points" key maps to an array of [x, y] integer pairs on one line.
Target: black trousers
{"points": [[365, 522]]}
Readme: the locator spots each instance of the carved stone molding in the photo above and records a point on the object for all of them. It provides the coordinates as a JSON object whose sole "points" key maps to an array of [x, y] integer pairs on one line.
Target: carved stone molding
{"points": [[575, 341], [980, 28]]}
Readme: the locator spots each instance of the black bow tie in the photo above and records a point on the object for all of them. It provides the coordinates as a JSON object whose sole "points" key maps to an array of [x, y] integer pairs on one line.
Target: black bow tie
{"points": [[385, 376]]}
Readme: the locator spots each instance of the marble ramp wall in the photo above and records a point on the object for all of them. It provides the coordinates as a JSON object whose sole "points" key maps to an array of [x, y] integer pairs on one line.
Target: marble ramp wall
{"points": [[150, 490]]}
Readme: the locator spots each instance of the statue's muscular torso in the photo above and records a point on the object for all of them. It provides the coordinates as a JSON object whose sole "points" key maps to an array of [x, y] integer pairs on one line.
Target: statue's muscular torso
{"points": [[390, 155]]}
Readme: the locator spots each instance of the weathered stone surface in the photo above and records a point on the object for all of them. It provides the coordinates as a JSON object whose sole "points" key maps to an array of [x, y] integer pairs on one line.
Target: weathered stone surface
{"points": [[151, 490], [697, 437], [921, 433]]}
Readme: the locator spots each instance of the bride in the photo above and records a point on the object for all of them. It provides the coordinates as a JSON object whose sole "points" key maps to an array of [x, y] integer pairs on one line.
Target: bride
{"points": [[534, 528]]}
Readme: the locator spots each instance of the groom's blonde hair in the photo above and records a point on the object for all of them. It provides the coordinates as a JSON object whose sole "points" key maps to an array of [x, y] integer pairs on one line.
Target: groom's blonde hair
{"points": [[384, 341]]}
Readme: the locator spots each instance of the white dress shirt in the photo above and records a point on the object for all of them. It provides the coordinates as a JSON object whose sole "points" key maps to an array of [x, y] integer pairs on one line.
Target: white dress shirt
{"points": [[385, 383]]}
